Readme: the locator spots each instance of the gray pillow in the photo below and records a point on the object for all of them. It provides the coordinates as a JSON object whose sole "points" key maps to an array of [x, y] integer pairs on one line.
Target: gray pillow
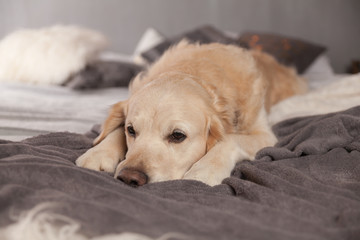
{"points": [[102, 74]]}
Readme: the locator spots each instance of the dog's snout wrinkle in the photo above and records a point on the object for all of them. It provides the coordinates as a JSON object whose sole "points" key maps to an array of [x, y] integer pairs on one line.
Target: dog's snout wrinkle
{"points": [[132, 177]]}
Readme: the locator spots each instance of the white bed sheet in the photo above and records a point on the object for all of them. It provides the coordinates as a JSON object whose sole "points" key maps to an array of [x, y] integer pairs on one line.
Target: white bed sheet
{"points": [[334, 94], [27, 110]]}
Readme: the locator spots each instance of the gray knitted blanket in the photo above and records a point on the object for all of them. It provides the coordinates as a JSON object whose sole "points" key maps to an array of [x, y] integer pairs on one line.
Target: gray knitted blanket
{"points": [[306, 187]]}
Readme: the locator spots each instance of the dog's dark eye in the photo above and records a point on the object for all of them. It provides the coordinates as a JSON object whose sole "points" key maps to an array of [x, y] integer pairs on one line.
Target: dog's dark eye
{"points": [[131, 131], [177, 137]]}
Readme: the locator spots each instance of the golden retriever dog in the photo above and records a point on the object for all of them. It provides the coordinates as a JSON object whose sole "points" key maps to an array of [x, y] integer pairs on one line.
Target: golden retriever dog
{"points": [[194, 114]]}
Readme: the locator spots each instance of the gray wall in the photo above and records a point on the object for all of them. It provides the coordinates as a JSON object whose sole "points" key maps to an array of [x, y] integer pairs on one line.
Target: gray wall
{"points": [[334, 23]]}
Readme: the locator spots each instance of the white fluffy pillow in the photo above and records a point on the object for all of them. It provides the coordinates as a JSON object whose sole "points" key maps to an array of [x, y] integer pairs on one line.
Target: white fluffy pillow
{"points": [[320, 72], [148, 40], [47, 55]]}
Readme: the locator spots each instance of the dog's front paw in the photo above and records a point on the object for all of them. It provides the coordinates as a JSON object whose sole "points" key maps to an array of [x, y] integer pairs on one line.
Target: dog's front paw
{"points": [[98, 160], [217, 164], [206, 174]]}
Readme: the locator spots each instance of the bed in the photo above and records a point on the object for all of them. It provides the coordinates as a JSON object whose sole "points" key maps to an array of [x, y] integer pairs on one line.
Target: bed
{"points": [[305, 187]]}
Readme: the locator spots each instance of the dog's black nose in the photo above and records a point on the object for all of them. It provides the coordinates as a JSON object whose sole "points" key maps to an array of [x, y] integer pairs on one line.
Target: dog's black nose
{"points": [[132, 177]]}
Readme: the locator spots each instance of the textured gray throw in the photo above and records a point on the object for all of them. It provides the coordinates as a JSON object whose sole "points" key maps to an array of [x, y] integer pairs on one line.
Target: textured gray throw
{"points": [[306, 187]]}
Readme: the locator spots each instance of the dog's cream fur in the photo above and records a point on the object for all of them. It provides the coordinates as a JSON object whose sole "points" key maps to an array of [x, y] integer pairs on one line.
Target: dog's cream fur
{"points": [[47, 55], [217, 95]]}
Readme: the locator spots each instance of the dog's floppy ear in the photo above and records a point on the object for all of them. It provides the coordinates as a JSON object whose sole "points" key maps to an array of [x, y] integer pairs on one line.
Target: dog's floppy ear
{"points": [[115, 119], [216, 132]]}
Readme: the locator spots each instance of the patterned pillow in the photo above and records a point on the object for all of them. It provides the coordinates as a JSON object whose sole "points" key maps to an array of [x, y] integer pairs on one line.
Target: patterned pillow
{"points": [[288, 51]]}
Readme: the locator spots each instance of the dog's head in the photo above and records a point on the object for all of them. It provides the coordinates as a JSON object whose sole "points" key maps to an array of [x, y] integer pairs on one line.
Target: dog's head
{"points": [[169, 125]]}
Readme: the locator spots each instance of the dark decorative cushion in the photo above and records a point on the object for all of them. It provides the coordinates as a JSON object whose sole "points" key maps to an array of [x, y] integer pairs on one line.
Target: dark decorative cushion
{"points": [[205, 34], [288, 51], [101, 74]]}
